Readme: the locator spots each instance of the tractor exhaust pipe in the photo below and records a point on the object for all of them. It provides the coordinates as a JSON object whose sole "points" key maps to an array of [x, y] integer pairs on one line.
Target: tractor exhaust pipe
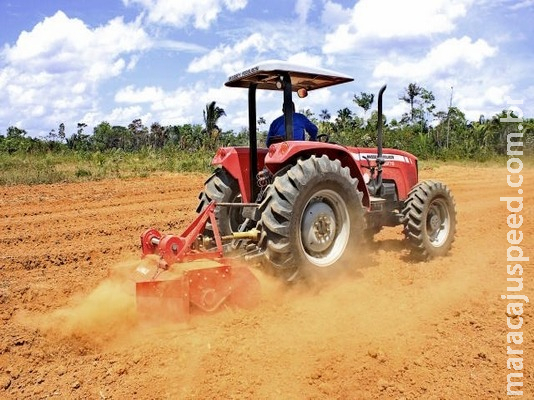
{"points": [[377, 187], [380, 137]]}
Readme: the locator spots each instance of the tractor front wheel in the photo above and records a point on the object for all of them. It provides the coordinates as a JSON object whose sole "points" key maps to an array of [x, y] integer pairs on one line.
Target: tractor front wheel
{"points": [[312, 219], [429, 220]]}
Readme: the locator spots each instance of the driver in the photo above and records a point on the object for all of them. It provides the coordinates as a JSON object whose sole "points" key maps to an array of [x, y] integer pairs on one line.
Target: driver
{"points": [[300, 124]]}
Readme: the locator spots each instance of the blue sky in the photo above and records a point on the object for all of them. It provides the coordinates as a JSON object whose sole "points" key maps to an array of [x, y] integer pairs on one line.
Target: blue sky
{"points": [[164, 60]]}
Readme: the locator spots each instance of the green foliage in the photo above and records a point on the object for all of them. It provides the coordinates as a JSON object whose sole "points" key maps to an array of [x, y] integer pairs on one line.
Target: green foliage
{"points": [[75, 166], [364, 100], [211, 131], [138, 150], [29, 168]]}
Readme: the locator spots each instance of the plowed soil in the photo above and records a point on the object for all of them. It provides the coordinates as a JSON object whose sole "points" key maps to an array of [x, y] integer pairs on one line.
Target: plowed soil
{"points": [[396, 329]]}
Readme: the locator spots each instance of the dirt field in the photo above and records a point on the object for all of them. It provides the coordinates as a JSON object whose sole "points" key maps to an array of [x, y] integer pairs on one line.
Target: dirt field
{"points": [[397, 330]]}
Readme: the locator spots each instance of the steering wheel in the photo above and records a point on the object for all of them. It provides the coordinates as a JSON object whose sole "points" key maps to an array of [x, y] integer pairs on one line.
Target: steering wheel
{"points": [[324, 138]]}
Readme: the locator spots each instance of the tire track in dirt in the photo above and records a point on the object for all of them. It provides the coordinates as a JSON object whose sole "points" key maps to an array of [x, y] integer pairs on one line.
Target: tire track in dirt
{"points": [[66, 226]]}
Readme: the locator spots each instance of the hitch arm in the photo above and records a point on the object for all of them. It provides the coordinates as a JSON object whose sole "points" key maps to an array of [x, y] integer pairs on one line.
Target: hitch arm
{"points": [[173, 249]]}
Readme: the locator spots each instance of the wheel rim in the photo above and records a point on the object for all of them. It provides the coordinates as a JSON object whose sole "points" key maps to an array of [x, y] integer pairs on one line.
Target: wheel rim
{"points": [[325, 228], [438, 222]]}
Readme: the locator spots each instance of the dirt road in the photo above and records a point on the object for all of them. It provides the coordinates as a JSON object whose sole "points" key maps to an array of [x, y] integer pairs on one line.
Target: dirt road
{"points": [[396, 330]]}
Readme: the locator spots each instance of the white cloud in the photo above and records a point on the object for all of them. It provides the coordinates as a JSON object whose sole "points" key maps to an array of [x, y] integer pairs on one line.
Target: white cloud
{"points": [[55, 69], [475, 101], [117, 116], [177, 106], [306, 59], [396, 111], [179, 46], [223, 55], [59, 44], [334, 14], [268, 41], [180, 13], [148, 94], [522, 4], [454, 63], [442, 59], [302, 8], [373, 20], [496, 94], [125, 115]]}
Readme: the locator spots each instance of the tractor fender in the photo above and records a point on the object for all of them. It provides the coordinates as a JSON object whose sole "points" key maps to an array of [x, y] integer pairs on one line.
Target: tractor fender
{"points": [[287, 153], [235, 160]]}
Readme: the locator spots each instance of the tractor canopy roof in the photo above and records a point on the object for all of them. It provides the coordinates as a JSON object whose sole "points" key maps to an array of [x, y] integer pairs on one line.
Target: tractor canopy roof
{"points": [[267, 75]]}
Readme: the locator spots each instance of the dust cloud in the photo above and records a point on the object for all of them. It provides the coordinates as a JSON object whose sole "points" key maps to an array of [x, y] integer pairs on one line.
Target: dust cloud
{"points": [[375, 311], [106, 312]]}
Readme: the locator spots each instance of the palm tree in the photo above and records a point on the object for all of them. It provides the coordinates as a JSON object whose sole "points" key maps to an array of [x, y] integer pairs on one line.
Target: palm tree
{"points": [[410, 95], [325, 115], [212, 113], [364, 100]]}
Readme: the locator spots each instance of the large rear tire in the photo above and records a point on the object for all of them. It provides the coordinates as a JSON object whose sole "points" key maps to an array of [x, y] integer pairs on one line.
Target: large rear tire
{"points": [[222, 188], [429, 220], [311, 220]]}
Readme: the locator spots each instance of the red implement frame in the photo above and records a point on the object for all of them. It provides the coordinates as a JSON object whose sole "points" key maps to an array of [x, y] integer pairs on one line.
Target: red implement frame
{"points": [[174, 249], [204, 288]]}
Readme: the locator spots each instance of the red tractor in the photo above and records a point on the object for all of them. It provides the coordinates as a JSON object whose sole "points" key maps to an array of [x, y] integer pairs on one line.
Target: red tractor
{"points": [[303, 208]]}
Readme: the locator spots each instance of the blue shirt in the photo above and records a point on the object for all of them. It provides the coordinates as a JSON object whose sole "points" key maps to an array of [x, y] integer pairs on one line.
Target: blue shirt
{"points": [[300, 124]]}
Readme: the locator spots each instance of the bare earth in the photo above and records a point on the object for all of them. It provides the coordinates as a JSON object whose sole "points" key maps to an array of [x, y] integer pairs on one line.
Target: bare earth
{"points": [[396, 330]]}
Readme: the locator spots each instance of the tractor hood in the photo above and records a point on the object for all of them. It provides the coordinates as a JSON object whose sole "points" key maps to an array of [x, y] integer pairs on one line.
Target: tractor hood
{"points": [[266, 75]]}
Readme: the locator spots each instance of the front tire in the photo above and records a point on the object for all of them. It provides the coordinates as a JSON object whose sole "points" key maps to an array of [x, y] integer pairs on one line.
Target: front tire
{"points": [[429, 220], [311, 219]]}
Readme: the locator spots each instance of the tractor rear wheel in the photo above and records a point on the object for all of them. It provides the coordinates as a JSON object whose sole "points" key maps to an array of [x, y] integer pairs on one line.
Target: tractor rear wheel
{"points": [[429, 220], [222, 188], [311, 219]]}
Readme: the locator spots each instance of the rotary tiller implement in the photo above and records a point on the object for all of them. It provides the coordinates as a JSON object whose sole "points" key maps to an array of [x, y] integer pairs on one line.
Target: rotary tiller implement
{"points": [[191, 272]]}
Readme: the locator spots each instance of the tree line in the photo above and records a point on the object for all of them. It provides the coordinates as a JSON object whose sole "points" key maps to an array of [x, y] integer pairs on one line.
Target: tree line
{"points": [[422, 130]]}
